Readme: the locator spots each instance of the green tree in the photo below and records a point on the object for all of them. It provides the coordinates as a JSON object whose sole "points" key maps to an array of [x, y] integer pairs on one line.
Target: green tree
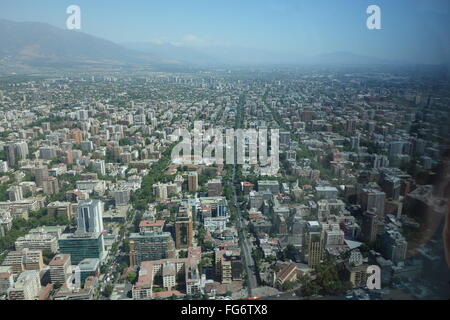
{"points": [[47, 256], [132, 277], [108, 290]]}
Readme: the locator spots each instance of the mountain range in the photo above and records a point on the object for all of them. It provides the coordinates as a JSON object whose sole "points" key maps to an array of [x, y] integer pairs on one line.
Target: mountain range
{"points": [[35, 46]]}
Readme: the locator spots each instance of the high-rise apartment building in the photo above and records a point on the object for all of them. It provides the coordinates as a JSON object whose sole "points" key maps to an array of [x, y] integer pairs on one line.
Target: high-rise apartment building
{"points": [[99, 166], [369, 227], [373, 199], [148, 246], [60, 268], [50, 185], [313, 243], [16, 151], [192, 181], [214, 188], [41, 174], [184, 228]]}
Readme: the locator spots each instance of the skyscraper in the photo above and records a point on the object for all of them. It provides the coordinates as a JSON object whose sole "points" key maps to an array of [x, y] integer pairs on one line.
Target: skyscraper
{"points": [[90, 216]]}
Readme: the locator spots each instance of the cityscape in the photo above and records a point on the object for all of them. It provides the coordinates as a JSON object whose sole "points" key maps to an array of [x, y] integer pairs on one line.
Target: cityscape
{"points": [[118, 180]]}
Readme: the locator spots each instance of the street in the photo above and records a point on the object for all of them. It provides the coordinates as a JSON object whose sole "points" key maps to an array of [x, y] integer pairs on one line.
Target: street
{"points": [[247, 260]]}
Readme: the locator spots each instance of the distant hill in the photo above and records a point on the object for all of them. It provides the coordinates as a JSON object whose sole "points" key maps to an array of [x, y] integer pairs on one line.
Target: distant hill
{"points": [[346, 58], [234, 55], [36, 44], [177, 53]]}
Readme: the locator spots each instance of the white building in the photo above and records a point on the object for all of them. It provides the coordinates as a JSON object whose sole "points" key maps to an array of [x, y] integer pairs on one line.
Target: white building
{"points": [[90, 215], [27, 286]]}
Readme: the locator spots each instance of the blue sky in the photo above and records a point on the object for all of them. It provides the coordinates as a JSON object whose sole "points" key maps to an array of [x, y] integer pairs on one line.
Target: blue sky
{"points": [[414, 30]]}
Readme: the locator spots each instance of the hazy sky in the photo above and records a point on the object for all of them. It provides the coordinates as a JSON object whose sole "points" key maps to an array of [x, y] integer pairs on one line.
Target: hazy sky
{"points": [[414, 30]]}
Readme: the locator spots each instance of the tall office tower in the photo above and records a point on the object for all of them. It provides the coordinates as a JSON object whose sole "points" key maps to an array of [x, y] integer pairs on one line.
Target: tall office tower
{"points": [[372, 198], [99, 166], [214, 188], [90, 216], [41, 174], [369, 228], [15, 193], [183, 228], [148, 246], [312, 245], [81, 245], [50, 185], [193, 181]]}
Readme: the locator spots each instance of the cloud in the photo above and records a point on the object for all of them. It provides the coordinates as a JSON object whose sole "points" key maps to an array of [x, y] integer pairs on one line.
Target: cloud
{"points": [[189, 40]]}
